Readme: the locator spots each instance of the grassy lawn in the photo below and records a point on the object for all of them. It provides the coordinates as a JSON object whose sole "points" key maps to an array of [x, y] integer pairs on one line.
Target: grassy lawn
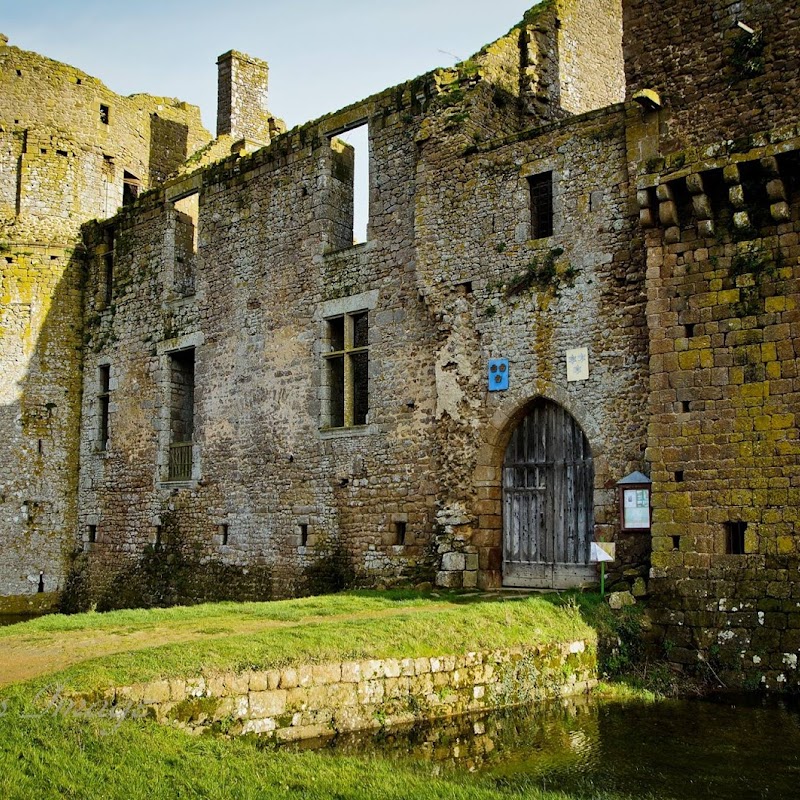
{"points": [[48, 755]]}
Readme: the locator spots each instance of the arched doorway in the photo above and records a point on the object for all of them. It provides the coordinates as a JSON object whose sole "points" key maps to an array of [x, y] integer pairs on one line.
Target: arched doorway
{"points": [[548, 501]]}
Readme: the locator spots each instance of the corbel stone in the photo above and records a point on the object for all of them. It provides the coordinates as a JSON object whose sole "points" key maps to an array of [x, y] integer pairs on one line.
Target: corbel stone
{"points": [[730, 174], [780, 212], [694, 183], [741, 219], [770, 166], [702, 206], [646, 218], [668, 212], [776, 191], [705, 228], [736, 195]]}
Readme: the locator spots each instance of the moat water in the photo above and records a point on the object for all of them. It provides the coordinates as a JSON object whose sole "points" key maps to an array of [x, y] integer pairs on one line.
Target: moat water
{"points": [[728, 748]]}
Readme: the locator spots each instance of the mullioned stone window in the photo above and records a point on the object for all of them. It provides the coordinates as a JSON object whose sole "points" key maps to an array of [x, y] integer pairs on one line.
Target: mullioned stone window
{"points": [[345, 369]]}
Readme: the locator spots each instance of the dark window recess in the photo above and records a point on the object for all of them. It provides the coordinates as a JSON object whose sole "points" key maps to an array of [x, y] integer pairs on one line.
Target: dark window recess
{"points": [[303, 534], [19, 73], [685, 406], [40, 447], [131, 186], [679, 476], [91, 533], [187, 216], [541, 188], [181, 414], [63, 153], [104, 114], [108, 265], [400, 532], [734, 538], [348, 370], [689, 329], [159, 536], [223, 532], [676, 542], [103, 401]]}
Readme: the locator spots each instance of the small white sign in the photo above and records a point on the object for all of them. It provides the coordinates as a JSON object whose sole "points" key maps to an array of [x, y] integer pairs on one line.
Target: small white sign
{"points": [[602, 551], [578, 364]]}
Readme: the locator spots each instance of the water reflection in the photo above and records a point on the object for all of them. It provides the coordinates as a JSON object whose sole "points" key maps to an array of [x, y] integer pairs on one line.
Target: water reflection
{"points": [[731, 748]]}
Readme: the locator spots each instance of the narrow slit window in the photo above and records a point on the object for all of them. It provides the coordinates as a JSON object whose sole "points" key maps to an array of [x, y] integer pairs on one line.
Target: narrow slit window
{"points": [[181, 414], [400, 532], [91, 533], [223, 533], [303, 528], [187, 219], [541, 193], [104, 114], [108, 266], [103, 403]]}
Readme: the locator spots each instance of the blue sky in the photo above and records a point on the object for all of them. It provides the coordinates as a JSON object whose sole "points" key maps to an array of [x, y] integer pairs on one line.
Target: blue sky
{"points": [[322, 55]]}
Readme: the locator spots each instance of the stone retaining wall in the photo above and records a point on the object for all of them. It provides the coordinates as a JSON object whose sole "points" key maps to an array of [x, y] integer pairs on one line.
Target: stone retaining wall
{"points": [[321, 700]]}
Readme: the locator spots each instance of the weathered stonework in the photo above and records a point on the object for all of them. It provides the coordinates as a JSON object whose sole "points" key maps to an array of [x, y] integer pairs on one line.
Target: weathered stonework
{"points": [[322, 700], [267, 409]]}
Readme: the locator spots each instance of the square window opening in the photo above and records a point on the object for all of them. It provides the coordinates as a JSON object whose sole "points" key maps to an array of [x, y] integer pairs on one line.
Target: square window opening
{"points": [[734, 538], [541, 197], [678, 476]]}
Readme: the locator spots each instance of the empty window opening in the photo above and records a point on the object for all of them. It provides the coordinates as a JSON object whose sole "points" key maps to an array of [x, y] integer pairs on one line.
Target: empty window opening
{"points": [[683, 204], [19, 73], [303, 528], [734, 537], [541, 190], [104, 114], [78, 81], [131, 186], [689, 330], [464, 288], [347, 366], [43, 151], [685, 406], [679, 476], [108, 265], [63, 153], [187, 216], [103, 402], [676, 542], [40, 446], [158, 534], [181, 371], [400, 532], [352, 168], [223, 533], [91, 533]]}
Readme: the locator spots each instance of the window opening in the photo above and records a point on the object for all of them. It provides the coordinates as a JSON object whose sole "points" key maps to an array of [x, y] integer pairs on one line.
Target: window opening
{"points": [[104, 114], [734, 538], [355, 201], [91, 533], [676, 542], [159, 532], [181, 372], [131, 186], [223, 532], [303, 534], [347, 364], [685, 406], [689, 329], [400, 532], [108, 266], [187, 213], [541, 190], [103, 402], [679, 476]]}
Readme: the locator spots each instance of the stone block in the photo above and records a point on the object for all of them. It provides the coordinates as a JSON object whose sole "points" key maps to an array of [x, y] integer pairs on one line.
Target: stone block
{"points": [[268, 704]]}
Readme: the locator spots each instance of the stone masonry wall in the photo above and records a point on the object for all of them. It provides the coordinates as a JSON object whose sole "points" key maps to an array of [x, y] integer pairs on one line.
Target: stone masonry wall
{"points": [[314, 701], [716, 171], [717, 81], [66, 142]]}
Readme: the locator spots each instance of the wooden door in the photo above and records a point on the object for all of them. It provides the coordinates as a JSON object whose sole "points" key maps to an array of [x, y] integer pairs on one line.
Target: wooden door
{"points": [[548, 504]]}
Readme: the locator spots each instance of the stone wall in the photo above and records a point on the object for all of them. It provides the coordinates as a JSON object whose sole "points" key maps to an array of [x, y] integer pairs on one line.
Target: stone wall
{"points": [[414, 493], [313, 701], [716, 171], [67, 145]]}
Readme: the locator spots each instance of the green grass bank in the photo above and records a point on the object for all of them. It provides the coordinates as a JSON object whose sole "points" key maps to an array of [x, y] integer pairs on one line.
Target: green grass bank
{"points": [[48, 752]]}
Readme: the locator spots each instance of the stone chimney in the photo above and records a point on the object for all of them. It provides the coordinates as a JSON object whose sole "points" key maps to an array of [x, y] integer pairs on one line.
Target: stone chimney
{"points": [[242, 111]]}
